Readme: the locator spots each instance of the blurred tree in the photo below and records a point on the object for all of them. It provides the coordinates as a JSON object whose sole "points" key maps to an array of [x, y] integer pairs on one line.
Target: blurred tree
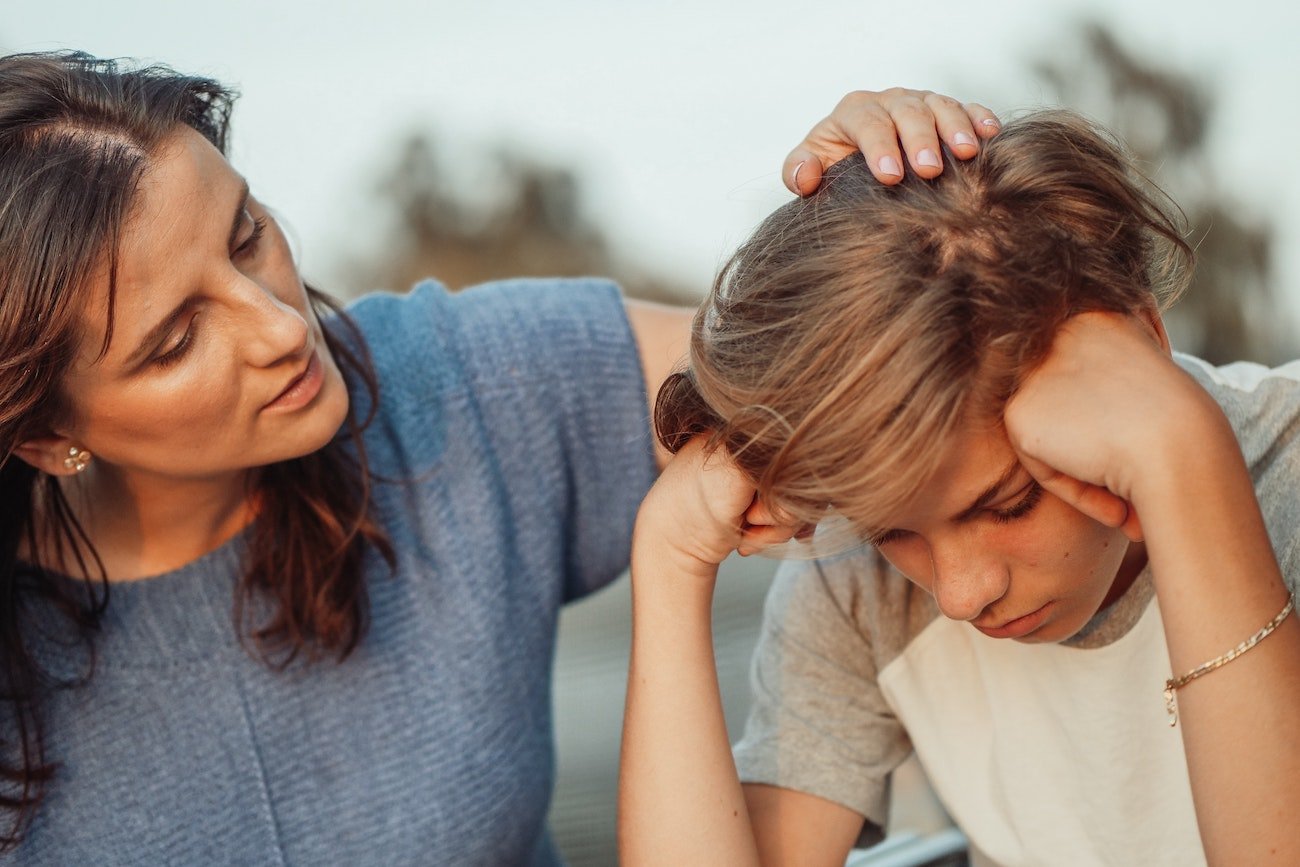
{"points": [[526, 219], [1231, 310]]}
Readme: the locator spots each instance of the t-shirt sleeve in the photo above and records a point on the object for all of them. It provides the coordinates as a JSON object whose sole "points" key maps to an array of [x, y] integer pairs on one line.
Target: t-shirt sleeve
{"points": [[1263, 406], [544, 376], [563, 354], [553, 371], [819, 723]]}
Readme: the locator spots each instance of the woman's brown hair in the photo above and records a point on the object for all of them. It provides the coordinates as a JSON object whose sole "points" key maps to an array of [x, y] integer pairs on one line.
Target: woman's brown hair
{"points": [[76, 134], [858, 328]]}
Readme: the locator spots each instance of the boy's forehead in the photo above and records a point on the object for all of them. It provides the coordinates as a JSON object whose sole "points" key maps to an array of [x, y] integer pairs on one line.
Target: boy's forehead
{"points": [[974, 461]]}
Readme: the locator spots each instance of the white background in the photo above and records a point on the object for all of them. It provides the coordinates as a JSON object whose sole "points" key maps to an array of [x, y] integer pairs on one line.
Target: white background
{"points": [[677, 113]]}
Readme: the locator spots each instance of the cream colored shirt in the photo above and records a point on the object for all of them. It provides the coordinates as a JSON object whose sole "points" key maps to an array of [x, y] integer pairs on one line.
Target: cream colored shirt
{"points": [[1059, 754]]}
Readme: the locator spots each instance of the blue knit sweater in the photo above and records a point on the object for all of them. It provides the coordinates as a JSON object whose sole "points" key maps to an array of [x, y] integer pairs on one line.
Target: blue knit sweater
{"points": [[512, 421]]}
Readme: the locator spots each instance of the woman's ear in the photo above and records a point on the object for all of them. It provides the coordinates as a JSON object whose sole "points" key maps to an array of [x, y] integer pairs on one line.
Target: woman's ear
{"points": [[55, 455]]}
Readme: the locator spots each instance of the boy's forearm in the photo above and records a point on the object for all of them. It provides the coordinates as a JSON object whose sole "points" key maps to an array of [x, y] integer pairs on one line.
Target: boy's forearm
{"points": [[1218, 583], [680, 801]]}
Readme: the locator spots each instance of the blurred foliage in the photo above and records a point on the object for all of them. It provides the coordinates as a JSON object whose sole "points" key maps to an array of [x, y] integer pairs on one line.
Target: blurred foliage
{"points": [[1231, 311], [521, 218]]}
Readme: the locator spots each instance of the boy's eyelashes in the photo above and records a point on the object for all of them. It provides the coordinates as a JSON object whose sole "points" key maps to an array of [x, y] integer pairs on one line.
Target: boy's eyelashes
{"points": [[1029, 498], [1026, 500]]}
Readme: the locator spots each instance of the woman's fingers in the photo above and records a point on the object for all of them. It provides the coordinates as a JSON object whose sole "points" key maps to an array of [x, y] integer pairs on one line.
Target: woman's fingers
{"points": [[983, 120], [802, 172], [955, 125], [895, 129]]}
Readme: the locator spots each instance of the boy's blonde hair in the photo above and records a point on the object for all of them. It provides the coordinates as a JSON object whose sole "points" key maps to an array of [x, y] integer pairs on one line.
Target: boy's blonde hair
{"points": [[849, 337]]}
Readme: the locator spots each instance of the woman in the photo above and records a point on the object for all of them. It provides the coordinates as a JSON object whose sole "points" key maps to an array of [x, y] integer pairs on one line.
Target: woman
{"points": [[392, 503], [1069, 534]]}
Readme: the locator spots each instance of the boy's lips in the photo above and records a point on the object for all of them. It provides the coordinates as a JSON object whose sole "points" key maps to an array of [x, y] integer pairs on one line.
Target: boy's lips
{"points": [[1019, 626]]}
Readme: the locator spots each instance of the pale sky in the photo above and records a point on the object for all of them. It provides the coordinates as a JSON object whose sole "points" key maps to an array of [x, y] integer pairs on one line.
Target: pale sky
{"points": [[679, 112]]}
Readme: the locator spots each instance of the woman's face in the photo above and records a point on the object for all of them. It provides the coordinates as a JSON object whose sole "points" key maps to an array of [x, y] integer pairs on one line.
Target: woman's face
{"points": [[217, 363], [997, 550]]}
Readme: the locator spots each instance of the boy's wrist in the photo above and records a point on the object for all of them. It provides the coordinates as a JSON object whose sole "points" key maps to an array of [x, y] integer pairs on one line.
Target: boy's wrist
{"points": [[1196, 448], [657, 560]]}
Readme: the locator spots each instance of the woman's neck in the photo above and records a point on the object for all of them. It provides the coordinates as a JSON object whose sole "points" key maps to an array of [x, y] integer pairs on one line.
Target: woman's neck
{"points": [[144, 525]]}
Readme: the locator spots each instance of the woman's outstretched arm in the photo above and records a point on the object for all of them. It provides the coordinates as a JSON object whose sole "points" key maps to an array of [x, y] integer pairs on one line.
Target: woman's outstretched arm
{"points": [[680, 800], [1110, 424]]}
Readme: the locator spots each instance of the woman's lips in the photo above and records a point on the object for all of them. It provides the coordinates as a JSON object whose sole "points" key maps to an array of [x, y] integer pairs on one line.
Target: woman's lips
{"points": [[302, 389], [1020, 627]]}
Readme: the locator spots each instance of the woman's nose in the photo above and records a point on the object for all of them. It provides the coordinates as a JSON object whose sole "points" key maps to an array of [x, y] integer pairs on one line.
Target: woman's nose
{"points": [[273, 330], [965, 581]]}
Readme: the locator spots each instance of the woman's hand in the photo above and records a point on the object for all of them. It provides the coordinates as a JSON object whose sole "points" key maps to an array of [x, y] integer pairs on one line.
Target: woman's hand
{"points": [[701, 509], [1089, 421], [875, 122]]}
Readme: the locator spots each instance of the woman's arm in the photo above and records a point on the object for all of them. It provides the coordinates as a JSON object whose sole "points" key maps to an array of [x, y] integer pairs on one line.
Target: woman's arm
{"points": [[680, 800], [1112, 425]]}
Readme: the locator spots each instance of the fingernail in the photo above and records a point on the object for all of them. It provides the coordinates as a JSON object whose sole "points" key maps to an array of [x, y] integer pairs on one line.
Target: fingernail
{"points": [[929, 158], [794, 177], [963, 138], [890, 166], [989, 123]]}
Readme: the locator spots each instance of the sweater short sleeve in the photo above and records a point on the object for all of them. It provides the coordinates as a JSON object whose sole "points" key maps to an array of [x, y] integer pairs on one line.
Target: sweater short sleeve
{"points": [[546, 377], [818, 723]]}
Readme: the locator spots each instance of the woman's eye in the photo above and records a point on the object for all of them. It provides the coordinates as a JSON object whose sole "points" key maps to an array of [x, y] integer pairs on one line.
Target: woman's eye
{"points": [[1033, 494], [249, 247], [177, 352]]}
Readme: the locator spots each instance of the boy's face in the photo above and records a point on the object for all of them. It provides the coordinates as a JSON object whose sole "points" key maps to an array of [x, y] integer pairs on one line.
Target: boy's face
{"points": [[997, 550]]}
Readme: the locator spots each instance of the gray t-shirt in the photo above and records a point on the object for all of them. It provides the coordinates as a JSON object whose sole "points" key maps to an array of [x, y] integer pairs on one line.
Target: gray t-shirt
{"points": [[1058, 754], [512, 449]]}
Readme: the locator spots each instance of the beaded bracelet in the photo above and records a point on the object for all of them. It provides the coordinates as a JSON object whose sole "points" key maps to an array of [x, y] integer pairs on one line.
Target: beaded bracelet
{"points": [[1174, 684]]}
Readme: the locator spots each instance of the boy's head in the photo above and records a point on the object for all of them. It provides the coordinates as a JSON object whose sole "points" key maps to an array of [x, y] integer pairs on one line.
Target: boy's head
{"points": [[864, 342]]}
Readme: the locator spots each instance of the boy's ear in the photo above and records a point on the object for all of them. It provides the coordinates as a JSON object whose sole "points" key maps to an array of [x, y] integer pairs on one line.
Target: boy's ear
{"points": [[1150, 316], [55, 455]]}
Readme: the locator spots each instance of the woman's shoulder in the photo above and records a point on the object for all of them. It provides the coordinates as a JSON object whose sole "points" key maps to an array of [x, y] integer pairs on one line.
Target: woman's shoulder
{"points": [[505, 332], [529, 372]]}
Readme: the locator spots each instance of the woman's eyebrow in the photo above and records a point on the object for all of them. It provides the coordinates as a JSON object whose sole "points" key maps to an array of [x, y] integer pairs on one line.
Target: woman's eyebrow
{"points": [[990, 493]]}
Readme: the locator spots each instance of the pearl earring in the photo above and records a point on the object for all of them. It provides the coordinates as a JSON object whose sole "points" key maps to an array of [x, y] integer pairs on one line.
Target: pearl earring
{"points": [[77, 459]]}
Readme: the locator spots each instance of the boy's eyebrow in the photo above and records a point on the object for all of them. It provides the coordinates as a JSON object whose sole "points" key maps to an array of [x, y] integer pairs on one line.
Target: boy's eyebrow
{"points": [[990, 493]]}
